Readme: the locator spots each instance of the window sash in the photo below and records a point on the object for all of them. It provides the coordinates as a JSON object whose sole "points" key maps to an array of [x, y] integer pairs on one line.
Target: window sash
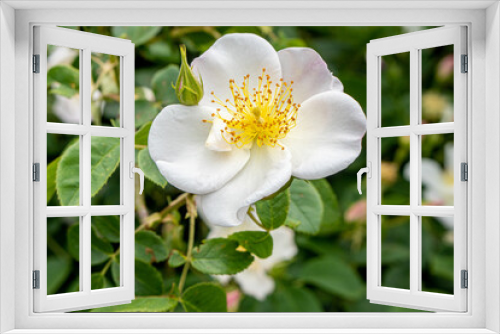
{"points": [[414, 297], [86, 297]]}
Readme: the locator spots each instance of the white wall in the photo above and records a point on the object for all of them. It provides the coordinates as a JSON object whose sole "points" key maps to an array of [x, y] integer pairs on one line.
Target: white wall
{"points": [[7, 162], [492, 166]]}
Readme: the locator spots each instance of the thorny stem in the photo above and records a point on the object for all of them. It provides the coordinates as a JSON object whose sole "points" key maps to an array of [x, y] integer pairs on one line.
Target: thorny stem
{"points": [[191, 208], [174, 205]]}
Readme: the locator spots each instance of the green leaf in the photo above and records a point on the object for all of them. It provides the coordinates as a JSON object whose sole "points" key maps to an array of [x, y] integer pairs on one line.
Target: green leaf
{"points": [[65, 75], [68, 175], [149, 247], [150, 169], [108, 227], [332, 215], [100, 249], [220, 257], [64, 91], [51, 178], [288, 298], [145, 111], [97, 281], [204, 297], [148, 280], [161, 52], [141, 136], [306, 208], [58, 270], [176, 259], [73, 241], [162, 84], [115, 270], [333, 275], [138, 35], [259, 243], [273, 212], [442, 266], [144, 304], [105, 158]]}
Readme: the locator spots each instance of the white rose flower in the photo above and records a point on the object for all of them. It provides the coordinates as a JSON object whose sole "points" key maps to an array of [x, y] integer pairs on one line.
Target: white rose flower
{"points": [[265, 116], [254, 280]]}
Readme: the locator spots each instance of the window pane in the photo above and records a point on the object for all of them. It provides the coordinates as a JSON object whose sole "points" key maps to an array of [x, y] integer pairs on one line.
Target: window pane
{"points": [[394, 179], [437, 84], [105, 90], [437, 169], [437, 254], [395, 82], [395, 251], [105, 246], [105, 169], [63, 85], [63, 170], [63, 253]]}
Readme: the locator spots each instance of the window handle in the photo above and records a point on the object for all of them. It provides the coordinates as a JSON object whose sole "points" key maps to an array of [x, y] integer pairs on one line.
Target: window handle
{"points": [[368, 171], [136, 170]]}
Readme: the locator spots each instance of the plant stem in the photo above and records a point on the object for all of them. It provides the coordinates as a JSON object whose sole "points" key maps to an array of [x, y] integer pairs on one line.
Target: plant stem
{"points": [[140, 204], [191, 207], [174, 205], [255, 220]]}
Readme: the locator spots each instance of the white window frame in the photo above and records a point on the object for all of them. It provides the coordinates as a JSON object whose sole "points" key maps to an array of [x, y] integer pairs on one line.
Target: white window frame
{"points": [[483, 21]]}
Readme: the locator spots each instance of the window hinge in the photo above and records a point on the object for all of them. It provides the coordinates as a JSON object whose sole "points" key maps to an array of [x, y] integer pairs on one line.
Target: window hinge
{"points": [[36, 63], [465, 279], [464, 172], [465, 64], [36, 172], [36, 279]]}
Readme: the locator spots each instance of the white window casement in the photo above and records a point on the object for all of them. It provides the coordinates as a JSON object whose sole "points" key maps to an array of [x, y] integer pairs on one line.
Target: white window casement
{"points": [[476, 136], [85, 134], [413, 45]]}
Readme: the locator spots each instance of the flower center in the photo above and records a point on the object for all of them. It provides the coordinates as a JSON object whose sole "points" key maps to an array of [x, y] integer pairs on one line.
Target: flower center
{"points": [[266, 114]]}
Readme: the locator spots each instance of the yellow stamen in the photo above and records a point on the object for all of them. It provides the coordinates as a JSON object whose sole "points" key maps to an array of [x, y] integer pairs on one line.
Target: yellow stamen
{"points": [[262, 114]]}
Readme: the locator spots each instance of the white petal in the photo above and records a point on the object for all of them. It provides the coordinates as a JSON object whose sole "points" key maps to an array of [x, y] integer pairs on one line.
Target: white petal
{"points": [[223, 279], [328, 135], [224, 231], [215, 141], [284, 247], [255, 282], [177, 145], [267, 170], [448, 157], [432, 173], [67, 109], [232, 57], [308, 71], [447, 222]]}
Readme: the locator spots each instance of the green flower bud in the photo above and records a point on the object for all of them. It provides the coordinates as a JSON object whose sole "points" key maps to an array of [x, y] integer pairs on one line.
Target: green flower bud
{"points": [[188, 88]]}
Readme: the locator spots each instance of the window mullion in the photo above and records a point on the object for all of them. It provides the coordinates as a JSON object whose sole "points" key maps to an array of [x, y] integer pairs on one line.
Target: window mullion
{"points": [[85, 166], [414, 170]]}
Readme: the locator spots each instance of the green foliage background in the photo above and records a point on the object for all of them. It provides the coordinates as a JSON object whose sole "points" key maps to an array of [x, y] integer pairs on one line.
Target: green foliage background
{"points": [[328, 273]]}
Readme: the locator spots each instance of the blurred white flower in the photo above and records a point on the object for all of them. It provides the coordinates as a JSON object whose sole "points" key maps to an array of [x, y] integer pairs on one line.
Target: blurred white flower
{"points": [[68, 109], [438, 183], [61, 56], [254, 280]]}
